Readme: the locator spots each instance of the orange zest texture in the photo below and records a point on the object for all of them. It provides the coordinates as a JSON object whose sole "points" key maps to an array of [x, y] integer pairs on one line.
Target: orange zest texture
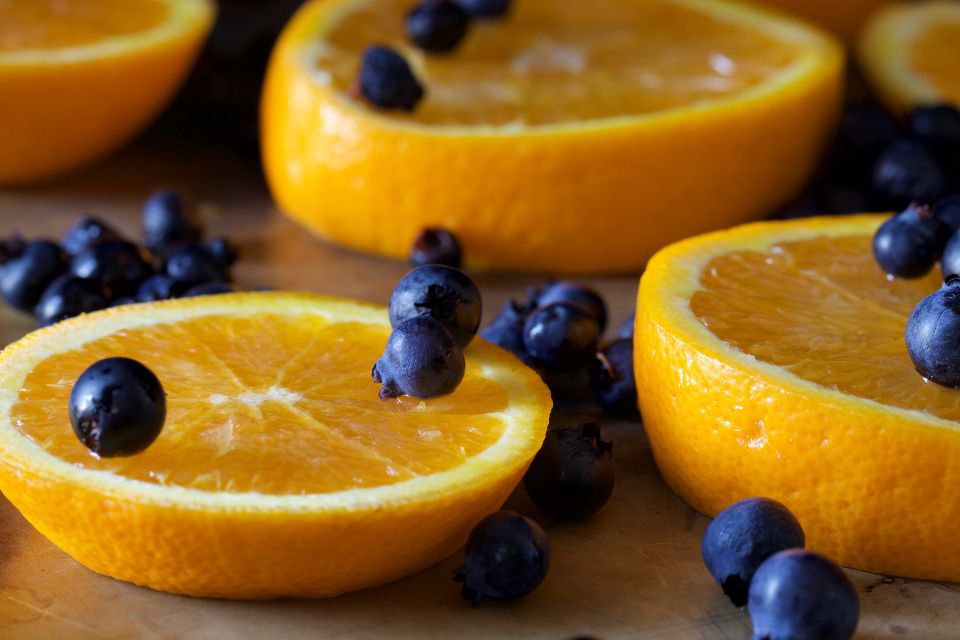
{"points": [[596, 122], [771, 362], [279, 471]]}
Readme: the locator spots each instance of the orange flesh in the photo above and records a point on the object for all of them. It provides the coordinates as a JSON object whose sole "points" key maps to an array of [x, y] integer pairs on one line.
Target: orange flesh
{"points": [[270, 404], [54, 24], [825, 311], [542, 65], [936, 56]]}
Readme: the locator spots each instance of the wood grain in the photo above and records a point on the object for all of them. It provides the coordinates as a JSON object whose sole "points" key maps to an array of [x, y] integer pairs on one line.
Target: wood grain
{"points": [[633, 571]]}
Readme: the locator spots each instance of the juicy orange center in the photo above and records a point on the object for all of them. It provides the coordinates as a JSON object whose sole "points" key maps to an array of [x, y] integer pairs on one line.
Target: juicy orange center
{"points": [[936, 56], [551, 62], [54, 24], [270, 404], [825, 311]]}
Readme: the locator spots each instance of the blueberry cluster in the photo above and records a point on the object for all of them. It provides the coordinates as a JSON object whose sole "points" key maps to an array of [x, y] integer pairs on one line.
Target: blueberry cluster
{"points": [[94, 267], [909, 244], [878, 164], [754, 549], [434, 26], [557, 331]]}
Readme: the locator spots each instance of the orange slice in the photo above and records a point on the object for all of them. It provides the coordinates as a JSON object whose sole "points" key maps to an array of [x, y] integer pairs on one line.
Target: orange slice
{"points": [[569, 137], [279, 472], [771, 362], [845, 18], [911, 54], [80, 77]]}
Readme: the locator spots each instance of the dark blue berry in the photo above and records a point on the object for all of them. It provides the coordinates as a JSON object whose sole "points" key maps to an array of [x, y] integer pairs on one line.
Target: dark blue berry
{"points": [[117, 407], [908, 244], [485, 8], [907, 172], [573, 293], [118, 266], [950, 260], [947, 212], [626, 327], [801, 595], [443, 293], [11, 247], [864, 132], [193, 264], [209, 289], [741, 537], [611, 378], [938, 126], [933, 335], [506, 330], [422, 359], [159, 286], [169, 220], [571, 477], [436, 246], [24, 278], [561, 337], [437, 26], [223, 250], [507, 556], [69, 296], [387, 81], [85, 232]]}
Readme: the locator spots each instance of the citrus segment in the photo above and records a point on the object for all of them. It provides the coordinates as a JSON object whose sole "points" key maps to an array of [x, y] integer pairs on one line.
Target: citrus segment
{"points": [[80, 77], [550, 125], [271, 413], [844, 18], [771, 362], [911, 53]]}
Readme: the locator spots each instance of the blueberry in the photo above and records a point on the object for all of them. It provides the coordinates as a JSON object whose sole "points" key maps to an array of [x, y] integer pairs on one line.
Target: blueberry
{"points": [[864, 132], [193, 264], [11, 247], [169, 220], [506, 330], [209, 289], [907, 172], [85, 232], [159, 286], [437, 26], [801, 595], [561, 337], [626, 327], [436, 246], [422, 359], [485, 8], [947, 212], [117, 407], [933, 335], [938, 126], [741, 537], [443, 293], [908, 244], [950, 260], [118, 266], [611, 378], [577, 294], [24, 278], [571, 477], [387, 81], [223, 250], [507, 556], [69, 296]]}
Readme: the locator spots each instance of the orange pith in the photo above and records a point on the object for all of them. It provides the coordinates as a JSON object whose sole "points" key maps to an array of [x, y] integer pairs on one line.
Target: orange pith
{"points": [[328, 430], [845, 332], [936, 57], [51, 24], [594, 60]]}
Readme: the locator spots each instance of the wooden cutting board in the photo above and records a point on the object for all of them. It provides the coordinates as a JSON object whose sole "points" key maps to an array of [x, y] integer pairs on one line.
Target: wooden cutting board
{"points": [[632, 571]]}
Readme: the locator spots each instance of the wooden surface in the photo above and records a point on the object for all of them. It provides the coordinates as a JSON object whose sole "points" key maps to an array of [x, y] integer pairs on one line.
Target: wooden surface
{"points": [[633, 571]]}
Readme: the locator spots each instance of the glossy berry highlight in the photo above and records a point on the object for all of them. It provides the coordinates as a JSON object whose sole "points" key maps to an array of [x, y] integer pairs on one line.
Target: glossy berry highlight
{"points": [[742, 537], [611, 378], [445, 294], [69, 296], [571, 477], [561, 337], [169, 219], [117, 407], [24, 279], [507, 556], [573, 293], [933, 335], [909, 244], [85, 232]]}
